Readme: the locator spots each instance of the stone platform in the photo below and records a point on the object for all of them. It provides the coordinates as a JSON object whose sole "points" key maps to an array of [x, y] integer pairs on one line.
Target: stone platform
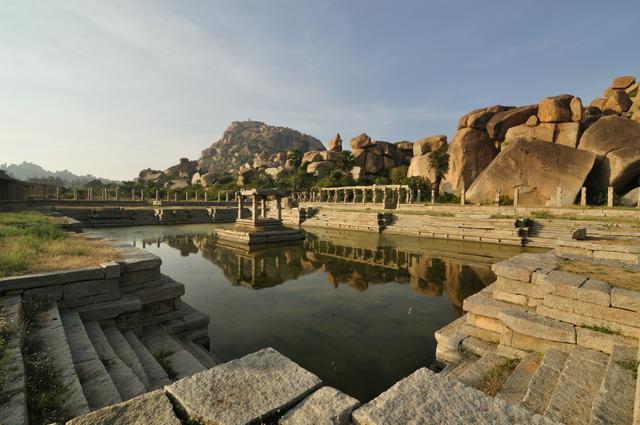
{"points": [[245, 235]]}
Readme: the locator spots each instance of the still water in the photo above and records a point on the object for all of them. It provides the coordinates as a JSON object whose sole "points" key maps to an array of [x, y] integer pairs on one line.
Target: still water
{"points": [[357, 309]]}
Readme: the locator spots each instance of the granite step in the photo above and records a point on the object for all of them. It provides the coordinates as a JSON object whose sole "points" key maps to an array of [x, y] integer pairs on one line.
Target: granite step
{"points": [[124, 351], [204, 356], [615, 399], [544, 381], [50, 334], [156, 374], [515, 386], [467, 363], [475, 376], [124, 379], [578, 386], [13, 386], [166, 349], [97, 385]]}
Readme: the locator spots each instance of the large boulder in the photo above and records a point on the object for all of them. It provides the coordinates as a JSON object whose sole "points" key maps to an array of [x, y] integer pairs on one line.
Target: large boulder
{"points": [[623, 82], [314, 167], [312, 156], [386, 148], [631, 198], [361, 141], [373, 163], [543, 131], [470, 152], [329, 156], [501, 122], [616, 142], [555, 109], [429, 144], [335, 144], [537, 168], [567, 134], [478, 118], [208, 179], [421, 167], [405, 147], [617, 103], [195, 179]]}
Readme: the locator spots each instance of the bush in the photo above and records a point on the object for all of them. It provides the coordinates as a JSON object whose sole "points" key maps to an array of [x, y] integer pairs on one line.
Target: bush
{"points": [[398, 175], [448, 198]]}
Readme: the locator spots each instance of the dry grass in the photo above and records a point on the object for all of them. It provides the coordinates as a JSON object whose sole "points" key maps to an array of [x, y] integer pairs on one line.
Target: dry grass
{"points": [[626, 277], [33, 242], [493, 380]]}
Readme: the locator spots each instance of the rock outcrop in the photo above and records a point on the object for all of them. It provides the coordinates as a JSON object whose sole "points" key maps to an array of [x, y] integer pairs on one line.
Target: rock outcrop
{"points": [[374, 157], [498, 125], [423, 149], [335, 144], [470, 152], [537, 168]]}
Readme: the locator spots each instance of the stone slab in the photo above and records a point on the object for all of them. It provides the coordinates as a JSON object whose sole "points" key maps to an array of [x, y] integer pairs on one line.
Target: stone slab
{"points": [[601, 341], [51, 278], [543, 382], [533, 324], [483, 304], [562, 284], [451, 335], [615, 399], [326, 406], [510, 297], [245, 390], [427, 398], [595, 292], [625, 299], [149, 408], [515, 386], [512, 286], [580, 319]]}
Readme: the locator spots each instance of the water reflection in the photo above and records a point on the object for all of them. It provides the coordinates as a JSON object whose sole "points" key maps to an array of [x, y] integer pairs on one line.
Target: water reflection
{"points": [[358, 261]]}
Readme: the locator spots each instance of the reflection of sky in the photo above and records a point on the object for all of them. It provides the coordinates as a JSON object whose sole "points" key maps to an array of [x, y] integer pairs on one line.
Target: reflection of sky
{"points": [[360, 328]]}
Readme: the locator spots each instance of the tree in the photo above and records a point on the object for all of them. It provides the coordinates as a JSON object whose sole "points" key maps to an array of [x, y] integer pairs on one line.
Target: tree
{"points": [[345, 164], [294, 157], [439, 160]]}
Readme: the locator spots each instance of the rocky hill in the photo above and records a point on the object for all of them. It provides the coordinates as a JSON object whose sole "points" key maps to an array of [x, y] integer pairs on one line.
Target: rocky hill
{"points": [[244, 145], [28, 171]]}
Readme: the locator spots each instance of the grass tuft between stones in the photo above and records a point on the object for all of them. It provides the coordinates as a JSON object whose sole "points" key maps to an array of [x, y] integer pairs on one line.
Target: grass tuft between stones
{"points": [[632, 366], [492, 381], [163, 360], [601, 329]]}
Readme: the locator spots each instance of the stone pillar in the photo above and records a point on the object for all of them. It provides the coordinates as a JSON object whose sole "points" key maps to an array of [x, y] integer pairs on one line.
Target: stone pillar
{"points": [[57, 193], [419, 196], [186, 196], [239, 206], [335, 195], [583, 197], [196, 196], [157, 195], [133, 195], [398, 195], [384, 197], [264, 207], [75, 194], [206, 196], [345, 196], [168, 195], [559, 196], [407, 196], [142, 195], [226, 197], [610, 197], [433, 196], [254, 208], [117, 193], [218, 196], [354, 196], [497, 200], [279, 208], [463, 195], [364, 196], [175, 196], [91, 194], [516, 196]]}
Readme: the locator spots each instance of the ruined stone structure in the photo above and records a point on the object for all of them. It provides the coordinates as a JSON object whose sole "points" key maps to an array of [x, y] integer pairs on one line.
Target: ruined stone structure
{"points": [[12, 189]]}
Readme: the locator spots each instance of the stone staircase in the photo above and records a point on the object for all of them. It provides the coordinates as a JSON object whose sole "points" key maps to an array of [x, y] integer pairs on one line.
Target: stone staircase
{"points": [[340, 219]]}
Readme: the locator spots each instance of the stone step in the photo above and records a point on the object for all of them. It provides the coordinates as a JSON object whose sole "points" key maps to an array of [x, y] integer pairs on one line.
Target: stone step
{"points": [[544, 381], [475, 376], [578, 386], [205, 357], [515, 386], [52, 338], [126, 382], [615, 399], [156, 374], [13, 386], [464, 365], [166, 349], [109, 309], [96, 382], [124, 351]]}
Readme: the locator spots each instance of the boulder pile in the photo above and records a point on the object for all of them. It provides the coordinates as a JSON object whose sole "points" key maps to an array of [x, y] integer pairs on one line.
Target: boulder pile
{"points": [[373, 157], [423, 149]]}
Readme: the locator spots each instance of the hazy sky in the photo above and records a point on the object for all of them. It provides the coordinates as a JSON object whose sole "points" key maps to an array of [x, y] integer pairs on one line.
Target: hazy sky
{"points": [[112, 87]]}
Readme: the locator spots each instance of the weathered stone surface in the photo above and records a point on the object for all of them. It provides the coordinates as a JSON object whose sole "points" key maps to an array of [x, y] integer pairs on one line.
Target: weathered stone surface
{"points": [[563, 284], [314, 167], [631, 198], [617, 103], [326, 406], [244, 390], [577, 111], [427, 398], [480, 119], [478, 346], [474, 377], [208, 179], [510, 297], [513, 286], [614, 402], [535, 325], [470, 152], [527, 164], [421, 167], [451, 335], [616, 141], [543, 131], [149, 408], [555, 109], [577, 386], [429, 144], [515, 386], [312, 156], [601, 341], [622, 82], [373, 163], [543, 383], [501, 122], [483, 304], [596, 292], [335, 144], [567, 134], [361, 141], [625, 298]]}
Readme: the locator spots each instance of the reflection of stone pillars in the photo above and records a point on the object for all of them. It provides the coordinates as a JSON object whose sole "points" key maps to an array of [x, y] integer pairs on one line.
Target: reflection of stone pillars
{"points": [[218, 196], [279, 207], [254, 208], [264, 207], [226, 197], [239, 207]]}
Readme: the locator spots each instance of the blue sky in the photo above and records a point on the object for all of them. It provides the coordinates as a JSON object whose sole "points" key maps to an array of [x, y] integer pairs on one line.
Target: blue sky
{"points": [[111, 87]]}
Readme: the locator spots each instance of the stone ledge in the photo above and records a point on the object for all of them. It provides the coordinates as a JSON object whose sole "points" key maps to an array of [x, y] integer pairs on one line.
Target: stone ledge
{"points": [[601, 341], [625, 299], [562, 283], [534, 325], [326, 406]]}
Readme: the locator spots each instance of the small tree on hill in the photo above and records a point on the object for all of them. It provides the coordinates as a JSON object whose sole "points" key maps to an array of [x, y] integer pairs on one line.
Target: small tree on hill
{"points": [[294, 157], [345, 164], [440, 163]]}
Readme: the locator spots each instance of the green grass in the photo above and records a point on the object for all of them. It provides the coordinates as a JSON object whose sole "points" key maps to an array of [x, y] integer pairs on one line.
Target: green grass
{"points": [[632, 366], [601, 329], [7, 330]]}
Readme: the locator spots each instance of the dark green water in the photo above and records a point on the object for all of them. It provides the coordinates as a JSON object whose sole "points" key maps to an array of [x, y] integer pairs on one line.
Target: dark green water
{"points": [[358, 309]]}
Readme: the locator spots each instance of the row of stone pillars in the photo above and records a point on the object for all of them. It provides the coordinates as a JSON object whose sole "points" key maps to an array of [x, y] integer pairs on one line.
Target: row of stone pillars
{"points": [[104, 195], [259, 207]]}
